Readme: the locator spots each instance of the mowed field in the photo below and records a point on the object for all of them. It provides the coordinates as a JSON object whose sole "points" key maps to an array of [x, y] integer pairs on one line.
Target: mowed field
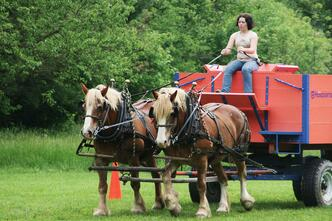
{"points": [[41, 178], [56, 195]]}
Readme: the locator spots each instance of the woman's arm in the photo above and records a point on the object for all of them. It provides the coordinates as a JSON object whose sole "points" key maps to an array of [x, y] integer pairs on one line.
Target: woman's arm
{"points": [[253, 46], [230, 44]]}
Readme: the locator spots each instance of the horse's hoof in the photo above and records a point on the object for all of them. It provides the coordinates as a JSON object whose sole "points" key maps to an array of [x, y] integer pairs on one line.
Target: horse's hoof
{"points": [[247, 204], [101, 212], [138, 209], [223, 209], [158, 205], [176, 210], [202, 214]]}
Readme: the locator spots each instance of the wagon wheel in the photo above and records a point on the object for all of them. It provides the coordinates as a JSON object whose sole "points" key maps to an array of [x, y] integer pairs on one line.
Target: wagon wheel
{"points": [[297, 184], [317, 183], [297, 189], [193, 191], [212, 192]]}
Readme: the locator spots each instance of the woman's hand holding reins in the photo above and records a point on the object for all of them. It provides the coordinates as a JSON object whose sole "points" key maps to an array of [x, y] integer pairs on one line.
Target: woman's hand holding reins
{"points": [[225, 51]]}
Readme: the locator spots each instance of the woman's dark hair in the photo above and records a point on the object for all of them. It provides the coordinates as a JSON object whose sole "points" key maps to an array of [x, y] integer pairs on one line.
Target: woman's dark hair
{"points": [[248, 18]]}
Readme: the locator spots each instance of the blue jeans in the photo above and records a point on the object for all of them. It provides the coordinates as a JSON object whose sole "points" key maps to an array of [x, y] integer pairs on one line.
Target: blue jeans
{"points": [[247, 67]]}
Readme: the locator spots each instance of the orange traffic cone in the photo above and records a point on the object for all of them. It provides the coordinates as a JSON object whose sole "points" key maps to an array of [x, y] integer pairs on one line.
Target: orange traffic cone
{"points": [[114, 187]]}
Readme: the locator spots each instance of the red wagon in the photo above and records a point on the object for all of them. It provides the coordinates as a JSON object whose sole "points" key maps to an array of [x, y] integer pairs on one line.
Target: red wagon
{"points": [[289, 113]]}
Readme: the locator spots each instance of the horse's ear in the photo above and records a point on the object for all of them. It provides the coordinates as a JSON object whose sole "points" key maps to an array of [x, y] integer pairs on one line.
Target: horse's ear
{"points": [[104, 91], [173, 96], [84, 88], [155, 94], [151, 115]]}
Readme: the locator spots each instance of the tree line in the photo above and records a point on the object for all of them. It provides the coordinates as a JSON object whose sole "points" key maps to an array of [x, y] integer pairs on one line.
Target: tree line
{"points": [[48, 47]]}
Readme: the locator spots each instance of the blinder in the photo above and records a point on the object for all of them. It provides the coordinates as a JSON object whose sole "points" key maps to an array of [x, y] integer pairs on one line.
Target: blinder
{"points": [[151, 115], [105, 105], [175, 111]]}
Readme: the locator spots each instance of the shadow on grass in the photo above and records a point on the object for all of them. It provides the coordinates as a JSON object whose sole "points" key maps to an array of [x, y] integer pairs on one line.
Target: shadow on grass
{"points": [[276, 205], [189, 209], [259, 206]]}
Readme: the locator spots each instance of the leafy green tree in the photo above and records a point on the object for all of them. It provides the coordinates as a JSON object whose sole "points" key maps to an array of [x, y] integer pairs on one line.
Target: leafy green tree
{"points": [[195, 31], [318, 12], [48, 47]]}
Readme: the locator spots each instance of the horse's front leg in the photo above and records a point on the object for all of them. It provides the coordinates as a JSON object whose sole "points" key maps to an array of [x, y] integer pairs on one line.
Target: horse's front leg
{"points": [[171, 197], [159, 200], [139, 205], [224, 204], [102, 209], [204, 208], [246, 200]]}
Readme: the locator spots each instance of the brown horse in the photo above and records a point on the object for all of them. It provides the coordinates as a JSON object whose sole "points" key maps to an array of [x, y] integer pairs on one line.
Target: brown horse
{"points": [[201, 136], [128, 143]]}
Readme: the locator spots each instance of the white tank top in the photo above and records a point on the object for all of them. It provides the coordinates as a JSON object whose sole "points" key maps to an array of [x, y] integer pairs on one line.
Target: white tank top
{"points": [[244, 41]]}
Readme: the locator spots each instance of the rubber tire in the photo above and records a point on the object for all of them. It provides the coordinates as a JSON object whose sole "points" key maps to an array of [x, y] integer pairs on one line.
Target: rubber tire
{"points": [[311, 183], [212, 192], [297, 184], [297, 189], [193, 191]]}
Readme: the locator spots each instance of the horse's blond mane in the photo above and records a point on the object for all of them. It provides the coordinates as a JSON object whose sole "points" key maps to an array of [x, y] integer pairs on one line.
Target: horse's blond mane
{"points": [[163, 106], [112, 95]]}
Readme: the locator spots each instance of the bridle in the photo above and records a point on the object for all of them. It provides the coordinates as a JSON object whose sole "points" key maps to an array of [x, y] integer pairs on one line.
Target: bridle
{"points": [[176, 132], [100, 120], [175, 114]]}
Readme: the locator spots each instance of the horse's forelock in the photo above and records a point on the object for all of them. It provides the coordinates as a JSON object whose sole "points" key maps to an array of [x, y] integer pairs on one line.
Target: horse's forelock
{"points": [[92, 96], [112, 95], [163, 105], [180, 98]]}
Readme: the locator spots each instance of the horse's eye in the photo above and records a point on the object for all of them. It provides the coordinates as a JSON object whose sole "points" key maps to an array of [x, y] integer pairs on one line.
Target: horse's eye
{"points": [[99, 108]]}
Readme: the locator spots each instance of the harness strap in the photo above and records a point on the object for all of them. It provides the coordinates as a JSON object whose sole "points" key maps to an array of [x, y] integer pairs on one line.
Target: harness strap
{"points": [[119, 129], [189, 119], [213, 117], [149, 133]]}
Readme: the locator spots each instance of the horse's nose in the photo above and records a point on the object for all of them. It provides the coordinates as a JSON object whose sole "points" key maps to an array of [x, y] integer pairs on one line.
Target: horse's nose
{"points": [[87, 134], [162, 144]]}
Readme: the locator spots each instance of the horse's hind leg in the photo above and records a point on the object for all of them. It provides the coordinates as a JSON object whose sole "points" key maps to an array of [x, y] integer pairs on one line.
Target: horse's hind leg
{"points": [[159, 201], [247, 200], [102, 209], [171, 197], [204, 208], [224, 204], [139, 205]]}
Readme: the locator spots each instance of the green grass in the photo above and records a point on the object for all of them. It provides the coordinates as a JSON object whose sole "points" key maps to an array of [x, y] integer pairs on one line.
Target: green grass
{"points": [[41, 178], [72, 195], [41, 149]]}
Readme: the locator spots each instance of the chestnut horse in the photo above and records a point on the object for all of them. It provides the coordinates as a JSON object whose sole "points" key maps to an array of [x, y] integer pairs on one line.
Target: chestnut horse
{"points": [[128, 143], [201, 136]]}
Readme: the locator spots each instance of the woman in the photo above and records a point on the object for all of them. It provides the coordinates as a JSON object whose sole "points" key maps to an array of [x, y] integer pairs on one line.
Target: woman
{"points": [[245, 42]]}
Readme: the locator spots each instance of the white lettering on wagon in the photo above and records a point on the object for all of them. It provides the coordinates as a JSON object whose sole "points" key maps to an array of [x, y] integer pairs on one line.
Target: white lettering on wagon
{"points": [[320, 94]]}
